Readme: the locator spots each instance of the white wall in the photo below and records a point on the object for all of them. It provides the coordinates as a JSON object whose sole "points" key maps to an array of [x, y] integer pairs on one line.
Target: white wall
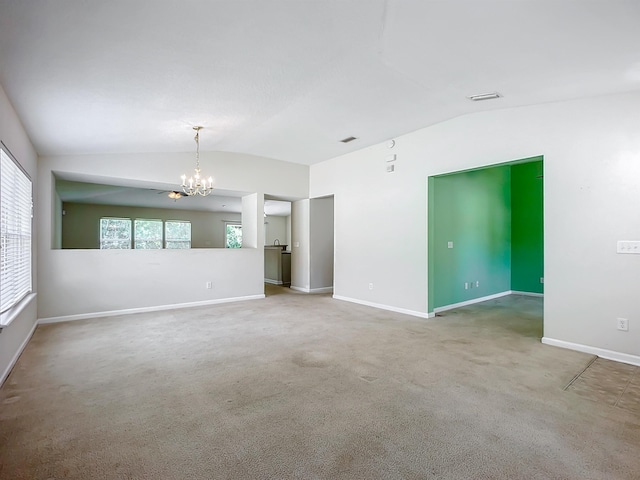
{"points": [[591, 154], [253, 221], [276, 229], [321, 243], [113, 280], [81, 282], [300, 275], [13, 135]]}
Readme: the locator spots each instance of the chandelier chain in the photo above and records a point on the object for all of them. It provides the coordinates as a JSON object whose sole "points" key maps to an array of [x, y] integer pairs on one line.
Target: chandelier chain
{"points": [[197, 184]]}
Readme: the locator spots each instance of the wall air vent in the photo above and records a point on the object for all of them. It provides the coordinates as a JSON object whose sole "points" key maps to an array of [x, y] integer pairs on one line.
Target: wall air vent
{"points": [[484, 96], [348, 139]]}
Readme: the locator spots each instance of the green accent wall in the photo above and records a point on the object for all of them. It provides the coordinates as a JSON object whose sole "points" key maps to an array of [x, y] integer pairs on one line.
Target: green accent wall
{"points": [[473, 210], [494, 217], [527, 249]]}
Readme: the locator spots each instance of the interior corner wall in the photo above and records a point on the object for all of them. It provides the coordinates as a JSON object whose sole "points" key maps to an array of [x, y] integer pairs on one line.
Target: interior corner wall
{"points": [[591, 151], [14, 336], [57, 221], [300, 268], [527, 225], [288, 232], [321, 243], [471, 235]]}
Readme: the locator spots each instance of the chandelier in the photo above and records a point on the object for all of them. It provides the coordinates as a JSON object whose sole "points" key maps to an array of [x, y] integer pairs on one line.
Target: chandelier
{"points": [[197, 184]]}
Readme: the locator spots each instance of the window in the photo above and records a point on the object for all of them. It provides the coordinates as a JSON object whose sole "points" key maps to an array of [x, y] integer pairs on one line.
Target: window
{"points": [[115, 233], [147, 234], [233, 235], [177, 234], [15, 232]]}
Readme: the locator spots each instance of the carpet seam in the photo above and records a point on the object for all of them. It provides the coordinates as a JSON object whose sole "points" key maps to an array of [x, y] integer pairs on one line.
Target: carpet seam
{"points": [[595, 357], [635, 370]]}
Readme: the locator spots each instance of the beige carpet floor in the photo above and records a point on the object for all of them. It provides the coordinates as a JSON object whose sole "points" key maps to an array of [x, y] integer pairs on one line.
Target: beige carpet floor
{"points": [[307, 387]]}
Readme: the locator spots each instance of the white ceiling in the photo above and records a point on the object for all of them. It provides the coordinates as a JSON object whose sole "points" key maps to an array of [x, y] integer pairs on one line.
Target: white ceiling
{"points": [[288, 79]]}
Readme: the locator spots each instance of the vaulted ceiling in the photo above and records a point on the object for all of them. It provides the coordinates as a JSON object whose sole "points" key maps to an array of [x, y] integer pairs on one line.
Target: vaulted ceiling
{"points": [[288, 79]]}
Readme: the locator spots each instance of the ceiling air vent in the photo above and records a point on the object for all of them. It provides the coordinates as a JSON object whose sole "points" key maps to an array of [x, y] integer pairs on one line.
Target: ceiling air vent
{"points": [[484, 96], [348, 139]]}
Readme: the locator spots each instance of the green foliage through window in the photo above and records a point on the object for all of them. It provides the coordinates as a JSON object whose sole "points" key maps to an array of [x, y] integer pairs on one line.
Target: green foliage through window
{"points": [[177, 234], [147, 234], [233, 236], [115, 233]]}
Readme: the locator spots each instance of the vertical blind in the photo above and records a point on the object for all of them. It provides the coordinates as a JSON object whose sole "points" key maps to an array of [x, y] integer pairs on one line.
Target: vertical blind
{"points": [[15, 233]]}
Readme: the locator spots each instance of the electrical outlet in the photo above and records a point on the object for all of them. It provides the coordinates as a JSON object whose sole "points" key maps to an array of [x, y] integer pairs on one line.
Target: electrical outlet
{"points": [[477, 283], [541, 279], [466, 285], [449, 244], [371, 286], [623, 324], [209, 285]]}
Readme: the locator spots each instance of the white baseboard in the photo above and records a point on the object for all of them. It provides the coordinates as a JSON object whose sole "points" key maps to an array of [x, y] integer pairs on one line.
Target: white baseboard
{"points": [[321, 290], [273, 282], [312, 290], [113, 313], [471, 302], [15, 358], [600, 352], [385, 307], [528, 294]]}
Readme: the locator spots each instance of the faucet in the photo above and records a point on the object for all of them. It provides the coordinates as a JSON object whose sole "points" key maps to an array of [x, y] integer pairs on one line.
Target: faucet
{"points": [[276, 240]]}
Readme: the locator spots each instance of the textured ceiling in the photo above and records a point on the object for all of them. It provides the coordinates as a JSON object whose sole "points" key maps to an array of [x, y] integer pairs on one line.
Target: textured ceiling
{"points": [[289, 79]]}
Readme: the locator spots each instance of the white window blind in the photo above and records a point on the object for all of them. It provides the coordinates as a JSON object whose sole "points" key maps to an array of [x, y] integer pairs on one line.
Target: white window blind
{"points": [[15, 233]]}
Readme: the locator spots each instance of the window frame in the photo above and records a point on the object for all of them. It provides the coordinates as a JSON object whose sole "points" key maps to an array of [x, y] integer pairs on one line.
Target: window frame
{"points": [[135, 240], [132, 233], [228, 224], [22, 213], [130, 247], [167, 240]]}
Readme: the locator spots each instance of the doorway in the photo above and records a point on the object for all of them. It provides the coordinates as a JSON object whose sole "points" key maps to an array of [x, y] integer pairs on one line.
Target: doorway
{"points": [[485, 234], [277, 244]]}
